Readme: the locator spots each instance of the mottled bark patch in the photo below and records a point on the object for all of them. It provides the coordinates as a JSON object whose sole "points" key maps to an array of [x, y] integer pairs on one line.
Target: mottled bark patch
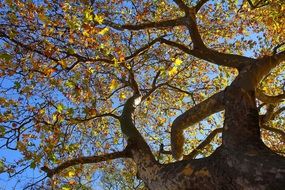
{"points": [[188, 170]]}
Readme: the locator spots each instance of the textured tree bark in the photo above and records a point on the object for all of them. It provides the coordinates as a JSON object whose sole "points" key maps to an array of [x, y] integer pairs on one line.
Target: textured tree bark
{"points": [[241, 162]]}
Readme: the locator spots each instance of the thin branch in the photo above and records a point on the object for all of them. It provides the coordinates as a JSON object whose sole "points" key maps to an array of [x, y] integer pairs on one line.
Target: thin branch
{"points": [[275, 49], [31, 185], [97, 116], [152, 90], [195, 114], [84, 160], [155, 79], [203, 144], [279, 111], [27, 47], [144, 48]]}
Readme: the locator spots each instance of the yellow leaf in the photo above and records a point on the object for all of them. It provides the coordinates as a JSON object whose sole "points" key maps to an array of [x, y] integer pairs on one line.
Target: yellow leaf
{"points": [[177, 62], [88, 14], [85, 33], [122, 96], [113, 85], [71, 174], [65, 188], [104, 31], [99, 19], [63, 63], [173, 71], [116, 62]]}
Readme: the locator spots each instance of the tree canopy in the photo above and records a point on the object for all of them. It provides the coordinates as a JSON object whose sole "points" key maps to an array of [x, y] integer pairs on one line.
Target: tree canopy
{"points": [[75, 73]]}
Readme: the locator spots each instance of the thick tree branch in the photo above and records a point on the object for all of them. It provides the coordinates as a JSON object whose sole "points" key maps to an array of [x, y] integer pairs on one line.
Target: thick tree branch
{"points": [[229, 60], [190, 21], [211, 136], [275, 130], [160, 24], [279, 57], [200, 4], [269, 99], [258, 4], [193, 115], [181, 5], [84, 160]]}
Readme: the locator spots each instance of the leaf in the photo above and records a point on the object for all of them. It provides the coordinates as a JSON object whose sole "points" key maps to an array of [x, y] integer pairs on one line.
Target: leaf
{"points": [[17, 85], [104, 31], [6, 57], [173, 71], [99, 19], [113, 85], [65, 187], [177, 62], [59, 108], [122, 96], [88, 14], [71, 173], [69, 84], [49, 71], [86, 33], [33, 165], [2, 131], [43, 17]]}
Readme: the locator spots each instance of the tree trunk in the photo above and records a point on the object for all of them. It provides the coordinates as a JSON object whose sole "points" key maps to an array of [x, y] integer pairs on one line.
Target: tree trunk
{"points": [[242, 162]]}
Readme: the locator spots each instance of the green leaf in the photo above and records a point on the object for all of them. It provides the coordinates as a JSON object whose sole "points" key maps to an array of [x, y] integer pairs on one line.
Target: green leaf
{"points": [[69, 84], [59, 108], [6, 57], [2, 131], [17, 85], [33, 165]]}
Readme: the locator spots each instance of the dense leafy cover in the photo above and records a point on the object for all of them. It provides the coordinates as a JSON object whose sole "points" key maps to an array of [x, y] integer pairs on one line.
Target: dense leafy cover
{"points": [[65, 74]]}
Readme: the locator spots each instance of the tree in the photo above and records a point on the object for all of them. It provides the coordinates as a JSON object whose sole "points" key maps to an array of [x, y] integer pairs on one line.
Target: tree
{"points": [[91, 81]]}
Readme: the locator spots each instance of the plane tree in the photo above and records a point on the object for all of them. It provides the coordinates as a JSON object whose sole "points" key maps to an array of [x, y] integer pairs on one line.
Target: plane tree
{"points": [[148, 82]]}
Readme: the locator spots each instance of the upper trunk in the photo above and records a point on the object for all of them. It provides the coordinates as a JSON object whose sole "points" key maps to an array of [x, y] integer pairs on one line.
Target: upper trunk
{"points": [[242, 162], [241, 125]]}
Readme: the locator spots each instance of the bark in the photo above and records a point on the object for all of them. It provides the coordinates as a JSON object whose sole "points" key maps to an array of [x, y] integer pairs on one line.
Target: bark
{"points": [[241, 162]]}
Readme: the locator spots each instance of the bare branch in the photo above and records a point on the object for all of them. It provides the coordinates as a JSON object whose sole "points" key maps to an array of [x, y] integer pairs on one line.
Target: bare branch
{"points": [[203, 144], [269, 99], [84, 160], [144, 48], [193, 115]]}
